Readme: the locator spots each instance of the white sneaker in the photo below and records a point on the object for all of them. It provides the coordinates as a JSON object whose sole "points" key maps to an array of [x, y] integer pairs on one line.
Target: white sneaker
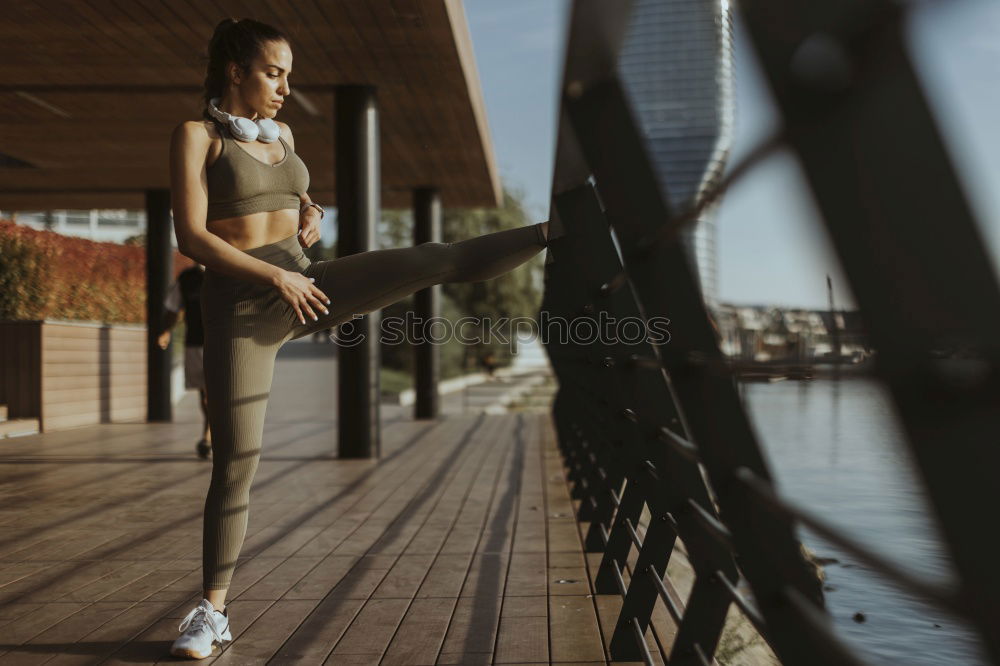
{"points": [[203, 627]]}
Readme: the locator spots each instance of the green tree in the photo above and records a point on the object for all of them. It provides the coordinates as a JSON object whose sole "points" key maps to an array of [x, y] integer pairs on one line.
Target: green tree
{"points": [[515, 294]]}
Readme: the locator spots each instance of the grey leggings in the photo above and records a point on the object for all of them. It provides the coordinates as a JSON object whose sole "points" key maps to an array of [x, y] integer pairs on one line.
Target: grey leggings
{"points": [[246, 323]]}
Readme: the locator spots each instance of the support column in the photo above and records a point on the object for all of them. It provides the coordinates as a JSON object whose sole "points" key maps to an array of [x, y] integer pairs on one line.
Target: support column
{"points": [[356, 165], [159, 269], [427, 306]]}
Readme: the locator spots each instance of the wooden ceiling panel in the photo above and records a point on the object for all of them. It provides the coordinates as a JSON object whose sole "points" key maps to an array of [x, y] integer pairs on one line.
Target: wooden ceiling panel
{"points": [[91, 91]]}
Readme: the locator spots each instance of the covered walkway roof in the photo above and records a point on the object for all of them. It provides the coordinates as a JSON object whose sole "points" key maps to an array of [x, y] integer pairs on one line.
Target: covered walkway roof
{"points": [[91, 91]]}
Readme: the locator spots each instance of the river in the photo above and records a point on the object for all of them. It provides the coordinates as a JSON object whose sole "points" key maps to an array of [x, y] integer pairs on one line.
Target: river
{"points": [[836, 448]]}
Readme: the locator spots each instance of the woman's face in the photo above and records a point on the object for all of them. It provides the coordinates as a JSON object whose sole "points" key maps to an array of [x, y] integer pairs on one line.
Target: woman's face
{"points": [[261, 90]]}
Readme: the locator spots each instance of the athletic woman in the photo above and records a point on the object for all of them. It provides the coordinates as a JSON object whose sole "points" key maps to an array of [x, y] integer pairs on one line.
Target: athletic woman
{"points": [[241, 209]]}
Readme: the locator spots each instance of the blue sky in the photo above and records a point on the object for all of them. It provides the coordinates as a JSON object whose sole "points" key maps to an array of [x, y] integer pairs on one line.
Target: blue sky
{"points": [[772, 248]]}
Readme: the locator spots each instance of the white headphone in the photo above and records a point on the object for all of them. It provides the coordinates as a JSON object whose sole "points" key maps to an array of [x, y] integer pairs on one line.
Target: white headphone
{"points": [[244, 129]]}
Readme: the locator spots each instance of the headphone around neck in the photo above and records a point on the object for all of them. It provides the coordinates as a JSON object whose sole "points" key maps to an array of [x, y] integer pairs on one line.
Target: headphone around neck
{"points": [[244, 129]]}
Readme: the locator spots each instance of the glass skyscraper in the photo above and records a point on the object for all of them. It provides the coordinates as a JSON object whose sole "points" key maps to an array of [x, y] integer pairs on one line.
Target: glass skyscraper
{"points": [[676, 64]]}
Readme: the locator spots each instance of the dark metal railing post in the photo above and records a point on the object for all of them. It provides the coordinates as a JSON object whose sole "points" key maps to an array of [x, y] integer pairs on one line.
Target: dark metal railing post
{"points": [[910, 248]]}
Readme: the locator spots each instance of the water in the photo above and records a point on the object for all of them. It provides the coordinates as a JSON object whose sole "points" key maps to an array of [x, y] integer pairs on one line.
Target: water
{"points": [[836, 448]]}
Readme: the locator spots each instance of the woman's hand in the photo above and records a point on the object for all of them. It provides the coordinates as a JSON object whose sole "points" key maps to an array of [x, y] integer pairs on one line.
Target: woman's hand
{"points": [[299, 292], [309, 226]]}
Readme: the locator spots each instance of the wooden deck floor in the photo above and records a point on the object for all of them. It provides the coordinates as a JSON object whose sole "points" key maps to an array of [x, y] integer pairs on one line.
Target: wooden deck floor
{"points": [[457, 547]]}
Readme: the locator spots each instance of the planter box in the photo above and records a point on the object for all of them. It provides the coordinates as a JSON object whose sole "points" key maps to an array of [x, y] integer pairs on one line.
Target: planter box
{"points": [[68, 374]]}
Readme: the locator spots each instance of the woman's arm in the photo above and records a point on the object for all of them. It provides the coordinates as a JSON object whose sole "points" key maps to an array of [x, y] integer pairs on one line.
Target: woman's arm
{"points": [[189, 145], [189, 198]]}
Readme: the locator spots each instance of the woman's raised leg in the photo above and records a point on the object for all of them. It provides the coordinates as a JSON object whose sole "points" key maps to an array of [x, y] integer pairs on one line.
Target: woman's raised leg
{"points": [[361, 283]]}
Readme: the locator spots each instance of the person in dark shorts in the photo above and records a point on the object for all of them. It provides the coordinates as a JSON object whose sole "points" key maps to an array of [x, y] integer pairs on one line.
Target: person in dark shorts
{"points": [[185, 294]]}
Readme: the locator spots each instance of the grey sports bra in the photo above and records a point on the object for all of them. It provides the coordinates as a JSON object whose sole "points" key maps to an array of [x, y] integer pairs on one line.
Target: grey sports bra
{"points": [[240, 184]]}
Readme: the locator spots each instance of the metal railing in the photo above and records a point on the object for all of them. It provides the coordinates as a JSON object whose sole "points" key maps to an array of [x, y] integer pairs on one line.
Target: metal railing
{"points": [[660, 426]]}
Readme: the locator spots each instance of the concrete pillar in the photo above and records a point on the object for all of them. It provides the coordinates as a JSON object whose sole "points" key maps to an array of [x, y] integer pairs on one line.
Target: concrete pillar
{"points": [[427, 306], [356, 165], [159, 271]]}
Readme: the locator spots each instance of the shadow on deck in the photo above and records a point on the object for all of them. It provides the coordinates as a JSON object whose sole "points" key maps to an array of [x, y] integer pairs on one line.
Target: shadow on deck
{"points": [[459, 546]]}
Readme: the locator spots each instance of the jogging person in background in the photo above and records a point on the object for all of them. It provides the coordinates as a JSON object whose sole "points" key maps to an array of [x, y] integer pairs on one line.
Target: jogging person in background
{"points": [[185, 294]]}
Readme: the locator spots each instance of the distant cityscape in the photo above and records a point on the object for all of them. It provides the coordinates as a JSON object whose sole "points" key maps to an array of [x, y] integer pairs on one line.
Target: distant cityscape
{"points": [[769, 334]]}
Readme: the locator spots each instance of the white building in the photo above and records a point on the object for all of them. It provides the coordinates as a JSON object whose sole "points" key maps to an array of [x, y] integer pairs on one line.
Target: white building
{"points": [[102, 225]]}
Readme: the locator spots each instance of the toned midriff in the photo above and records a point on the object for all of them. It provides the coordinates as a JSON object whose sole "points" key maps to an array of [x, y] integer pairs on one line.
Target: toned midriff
{"points": [[257, 229], [254, 229]]}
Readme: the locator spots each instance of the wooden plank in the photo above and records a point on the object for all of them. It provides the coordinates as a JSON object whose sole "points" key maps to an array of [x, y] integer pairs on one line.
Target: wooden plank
{"points": [[197, 574], [67, 345], [568, 581], [446, 576], [257, 642], [536, 606], [120, 575], [574, 629], [65, 546], [473, 629], [128, 415], [527, 575], [90, 366], [149, 584], [92, 401], [31, 624], [421, 632], [283, 576], [104, 356], [486, 575], [91, 647], [568, 561], [13, 611], [73, 381], [466, 658], [373, 571], [152, 643], [415, 560], [373, 628], [117, 390], [41, 647], [405, 577], [322, 578], [395, 575], [521, 640], [315, 637]]}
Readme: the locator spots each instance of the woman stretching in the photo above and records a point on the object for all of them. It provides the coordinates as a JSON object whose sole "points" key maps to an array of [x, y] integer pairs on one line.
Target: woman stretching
{"points": [[241, 209]]}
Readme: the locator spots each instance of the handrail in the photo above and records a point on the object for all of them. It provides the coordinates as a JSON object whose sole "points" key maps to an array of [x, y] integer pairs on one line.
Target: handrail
{"points": [[660, 426]]}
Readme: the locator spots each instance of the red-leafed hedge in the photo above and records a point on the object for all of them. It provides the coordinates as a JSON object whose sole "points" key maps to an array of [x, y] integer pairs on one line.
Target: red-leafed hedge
{"points": [[45, 275]]}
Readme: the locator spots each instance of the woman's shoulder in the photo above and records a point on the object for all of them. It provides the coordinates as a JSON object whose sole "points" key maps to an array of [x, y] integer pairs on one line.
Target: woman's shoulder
{"points": [[197, 140], [201, 129], [286, 133]]}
